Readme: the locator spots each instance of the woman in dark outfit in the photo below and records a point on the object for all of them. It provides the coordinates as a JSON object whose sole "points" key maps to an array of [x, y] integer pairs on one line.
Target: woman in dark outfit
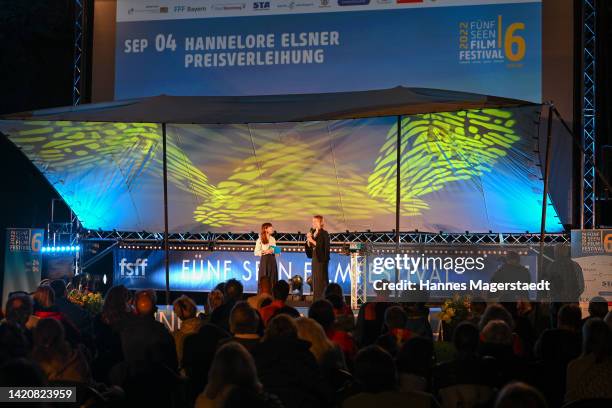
{"points": [[317, 248], [264, 247]]}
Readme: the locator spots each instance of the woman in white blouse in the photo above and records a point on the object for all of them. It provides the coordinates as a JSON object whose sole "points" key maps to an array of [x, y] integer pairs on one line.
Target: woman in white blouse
{"points": [[264, 247]]}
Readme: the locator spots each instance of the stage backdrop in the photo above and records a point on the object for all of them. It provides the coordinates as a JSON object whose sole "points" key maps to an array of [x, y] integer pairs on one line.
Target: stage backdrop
{"points": [[210, 47], [203, 270], [474, 170], [22, 260]]}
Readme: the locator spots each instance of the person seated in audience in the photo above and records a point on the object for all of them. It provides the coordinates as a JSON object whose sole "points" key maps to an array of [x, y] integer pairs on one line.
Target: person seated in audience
{"points": [[280, 292], [44, 307], [322, 312], [468, 377], [143, 339], [244, 326], [186, 310], [554, 350], [497, 311], [598, 307], [233, 369], [213, 301], [417, 319], [287, 310], [328, 355], [198, 353], [79, 317], [107, 326], [58, 360], [520, 395], [13, 342], [376, 377], [397, 333], [20, 311], [496, 341], [232, 293], [287, 368], [264, 291], [590, 375], [414, 362], [345, 319], [371, 318]]}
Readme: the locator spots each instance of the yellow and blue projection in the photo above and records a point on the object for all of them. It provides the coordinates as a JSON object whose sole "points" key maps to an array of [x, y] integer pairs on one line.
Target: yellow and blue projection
{"points": [[460, 171]]}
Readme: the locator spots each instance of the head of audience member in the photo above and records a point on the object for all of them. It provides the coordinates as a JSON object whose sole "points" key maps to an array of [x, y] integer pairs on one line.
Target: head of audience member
{"points": [[232, 366], [233, 290], [395, 318], [265, 285], [115, 307], [495, 311], [59, 288], [512, 258], [312, 332], [337, 302], [243, 319], [145, 302], [597, 339], [21, 372], [49, 337], [374, 370], [598, 307], [185, 308], [520, 395], [334, 289], [281, 327], [466, 338], [44, 297], [569, 318], [19, 308], [322, 311], [496, 332], [13, 343], [416, 356], [280, 291], [215, 299], [287, 310], [477, 307]]}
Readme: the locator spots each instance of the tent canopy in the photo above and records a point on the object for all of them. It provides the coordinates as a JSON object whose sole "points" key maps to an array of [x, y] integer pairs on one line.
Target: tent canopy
{"points": [[467, 162], [272, 108]]}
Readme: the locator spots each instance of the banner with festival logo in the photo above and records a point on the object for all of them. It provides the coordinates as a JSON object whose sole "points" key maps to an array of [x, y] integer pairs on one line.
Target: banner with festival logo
{"points": [[22, 260], [592, 250]]}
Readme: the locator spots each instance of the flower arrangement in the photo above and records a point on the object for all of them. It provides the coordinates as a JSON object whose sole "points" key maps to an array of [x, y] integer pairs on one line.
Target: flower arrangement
{"points": [[455, 310], [91, 301]]}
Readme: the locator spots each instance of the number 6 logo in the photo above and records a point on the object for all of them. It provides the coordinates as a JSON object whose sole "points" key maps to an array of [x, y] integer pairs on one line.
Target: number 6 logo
{"points": [[37, 242]]}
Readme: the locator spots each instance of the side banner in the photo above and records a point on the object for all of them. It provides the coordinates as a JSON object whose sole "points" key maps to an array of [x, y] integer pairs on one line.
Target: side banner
{"points": [[592, 250], [22, 260]]}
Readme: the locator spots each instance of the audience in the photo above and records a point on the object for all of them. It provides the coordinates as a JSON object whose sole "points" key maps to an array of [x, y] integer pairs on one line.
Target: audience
{"points": [[233, 369], [55, 356], [227, 360], [232, 293], [322, 312], [287, 368], [244, 326], [145, 339], [590, 375], [280, 293], [186, 311], [376, 376]]}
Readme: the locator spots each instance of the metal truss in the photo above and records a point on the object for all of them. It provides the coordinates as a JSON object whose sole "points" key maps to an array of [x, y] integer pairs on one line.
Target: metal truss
{"points": [[589, 111], [406, 238], [77, 64]]}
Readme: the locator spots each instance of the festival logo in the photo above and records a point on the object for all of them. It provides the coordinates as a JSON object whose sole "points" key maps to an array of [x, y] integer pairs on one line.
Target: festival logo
{"points": [[261, 5], [135, 269], [229, 6], [489, 41], [353, 2]]}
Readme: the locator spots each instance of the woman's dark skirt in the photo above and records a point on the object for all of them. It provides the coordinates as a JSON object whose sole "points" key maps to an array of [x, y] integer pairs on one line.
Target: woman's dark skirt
{"points": [[267, 267]]}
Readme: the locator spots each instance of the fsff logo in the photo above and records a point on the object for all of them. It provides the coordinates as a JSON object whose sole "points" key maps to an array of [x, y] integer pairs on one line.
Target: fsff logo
{"points": [[133, 269]]}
